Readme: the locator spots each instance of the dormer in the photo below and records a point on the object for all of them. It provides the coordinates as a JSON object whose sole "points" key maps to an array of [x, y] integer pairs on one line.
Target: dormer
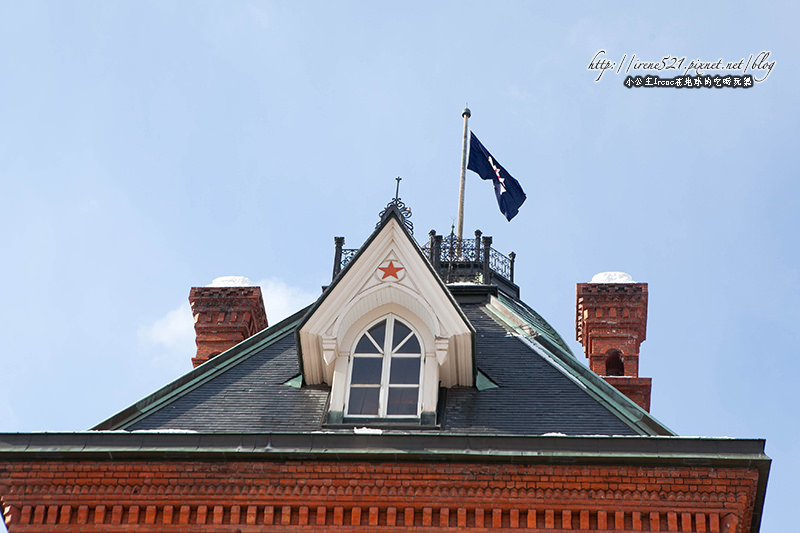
{"points": [[386, 334]]}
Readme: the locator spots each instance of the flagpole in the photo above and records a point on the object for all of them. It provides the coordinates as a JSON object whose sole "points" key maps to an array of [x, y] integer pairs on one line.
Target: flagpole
{"points": [[460, 223]]}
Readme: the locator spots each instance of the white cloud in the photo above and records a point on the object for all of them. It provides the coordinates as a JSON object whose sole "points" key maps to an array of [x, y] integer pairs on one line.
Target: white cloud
{"points": [[169, 340], [282, 300], [172, 331]]}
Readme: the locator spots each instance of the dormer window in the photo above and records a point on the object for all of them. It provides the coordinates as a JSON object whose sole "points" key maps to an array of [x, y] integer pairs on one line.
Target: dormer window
{"points": [[385, 372], [386, 335]]}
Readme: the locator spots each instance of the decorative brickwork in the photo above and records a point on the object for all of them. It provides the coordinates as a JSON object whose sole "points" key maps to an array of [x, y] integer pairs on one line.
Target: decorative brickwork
{"points": [[611, 323], [91, 496], [224, 317]]}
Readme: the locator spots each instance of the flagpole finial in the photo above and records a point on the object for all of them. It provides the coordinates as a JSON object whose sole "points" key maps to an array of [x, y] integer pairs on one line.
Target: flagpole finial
{"points": [[466, 113]]}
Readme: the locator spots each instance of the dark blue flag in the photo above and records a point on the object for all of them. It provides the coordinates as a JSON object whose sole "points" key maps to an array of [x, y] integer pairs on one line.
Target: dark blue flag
{"points": [[508, 190]]}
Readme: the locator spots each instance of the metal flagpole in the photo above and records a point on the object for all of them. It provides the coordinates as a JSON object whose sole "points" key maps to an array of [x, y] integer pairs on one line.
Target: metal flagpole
{"points": [[460, 224]]}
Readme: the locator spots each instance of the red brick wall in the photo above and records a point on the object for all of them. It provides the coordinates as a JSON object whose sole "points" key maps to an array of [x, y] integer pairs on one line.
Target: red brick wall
{"points": [[637, 389], [93, 496]]}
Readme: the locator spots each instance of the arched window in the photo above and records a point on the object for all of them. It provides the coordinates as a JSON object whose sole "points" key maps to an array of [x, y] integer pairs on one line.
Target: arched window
{"points": [[385, 372], [614, 366]]}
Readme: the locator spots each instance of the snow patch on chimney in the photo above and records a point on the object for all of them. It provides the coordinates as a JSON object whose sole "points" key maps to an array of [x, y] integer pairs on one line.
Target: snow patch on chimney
{"points": [[231, 281], [612, 277]]}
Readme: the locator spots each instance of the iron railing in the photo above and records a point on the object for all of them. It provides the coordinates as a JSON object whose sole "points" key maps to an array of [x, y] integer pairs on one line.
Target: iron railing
{"points": [[501, 264], [456, 260], [347, 255]]}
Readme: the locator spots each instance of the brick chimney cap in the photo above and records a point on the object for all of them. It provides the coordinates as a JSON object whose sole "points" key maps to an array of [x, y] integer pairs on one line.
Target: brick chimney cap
{"points": [[231, 281], [612, 277]]}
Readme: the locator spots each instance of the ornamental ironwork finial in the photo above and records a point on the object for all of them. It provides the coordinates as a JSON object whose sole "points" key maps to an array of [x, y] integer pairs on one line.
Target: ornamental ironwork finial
{"points": [[397, 205]]}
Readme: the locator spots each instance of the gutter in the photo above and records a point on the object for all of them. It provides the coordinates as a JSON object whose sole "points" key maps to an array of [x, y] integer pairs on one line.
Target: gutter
{"points": [[417, 446]]}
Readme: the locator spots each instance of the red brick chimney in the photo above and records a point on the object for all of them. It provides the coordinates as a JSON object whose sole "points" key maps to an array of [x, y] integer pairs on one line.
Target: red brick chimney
{"points": [[225, 316], [611, 322]]}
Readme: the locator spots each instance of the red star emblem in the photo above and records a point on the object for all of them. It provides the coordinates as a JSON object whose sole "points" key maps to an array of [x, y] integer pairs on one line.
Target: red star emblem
{"points": [[390, 270]]}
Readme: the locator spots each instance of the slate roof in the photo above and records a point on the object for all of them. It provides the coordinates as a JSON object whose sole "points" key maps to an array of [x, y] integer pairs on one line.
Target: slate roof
{"points": [[540, 390], [248, 397], [533, 396]]}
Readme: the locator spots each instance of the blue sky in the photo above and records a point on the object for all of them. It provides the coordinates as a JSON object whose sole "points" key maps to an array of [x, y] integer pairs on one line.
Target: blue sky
{"points": [[148, 147]]}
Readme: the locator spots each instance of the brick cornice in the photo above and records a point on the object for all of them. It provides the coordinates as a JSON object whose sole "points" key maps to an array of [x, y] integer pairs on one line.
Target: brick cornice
{"points": [[151, 480], [72, 496]]}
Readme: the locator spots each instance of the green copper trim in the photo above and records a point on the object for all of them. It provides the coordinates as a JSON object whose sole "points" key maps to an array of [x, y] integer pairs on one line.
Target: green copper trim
{"points": [[296, 382], [482, 382]]}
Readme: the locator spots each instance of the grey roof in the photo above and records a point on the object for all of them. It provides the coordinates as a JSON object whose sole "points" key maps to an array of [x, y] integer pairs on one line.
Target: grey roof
{"points": [[534, 396], [248, 397], [540, 387], [539, 391]]}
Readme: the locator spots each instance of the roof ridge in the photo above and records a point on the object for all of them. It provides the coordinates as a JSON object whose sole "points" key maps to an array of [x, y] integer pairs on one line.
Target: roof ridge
{"points": [[547, 331], [617, 403]]}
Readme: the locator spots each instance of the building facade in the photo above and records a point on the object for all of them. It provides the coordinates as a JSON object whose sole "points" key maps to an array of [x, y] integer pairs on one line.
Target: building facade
{"points": [[418, 393]]}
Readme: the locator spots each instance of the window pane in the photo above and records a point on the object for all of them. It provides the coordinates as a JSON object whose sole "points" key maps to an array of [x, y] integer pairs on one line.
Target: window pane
{"points": [[367, 370], [378, 332], [402, 401], [365, 345], [401, 331], [410, 346], [363, 401], [405, 370]]}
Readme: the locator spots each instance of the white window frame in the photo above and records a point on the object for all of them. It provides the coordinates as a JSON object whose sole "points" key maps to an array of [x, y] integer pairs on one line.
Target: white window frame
{"points": [[387, 356]]}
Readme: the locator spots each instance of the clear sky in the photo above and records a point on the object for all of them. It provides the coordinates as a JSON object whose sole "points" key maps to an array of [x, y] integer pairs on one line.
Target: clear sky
{"points": [[148, 147]]}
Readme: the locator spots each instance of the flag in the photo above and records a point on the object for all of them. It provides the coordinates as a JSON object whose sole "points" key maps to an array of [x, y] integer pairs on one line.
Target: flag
{"points": [[508, 190]]}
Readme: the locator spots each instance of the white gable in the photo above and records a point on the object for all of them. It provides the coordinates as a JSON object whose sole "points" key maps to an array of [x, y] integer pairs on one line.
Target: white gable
{"points": [[389, 276]]}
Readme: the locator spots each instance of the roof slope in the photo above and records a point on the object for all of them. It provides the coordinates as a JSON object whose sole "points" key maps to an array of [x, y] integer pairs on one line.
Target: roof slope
{"points": [[534, 396], [250, 396], [539, 391], [239, 390]]}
